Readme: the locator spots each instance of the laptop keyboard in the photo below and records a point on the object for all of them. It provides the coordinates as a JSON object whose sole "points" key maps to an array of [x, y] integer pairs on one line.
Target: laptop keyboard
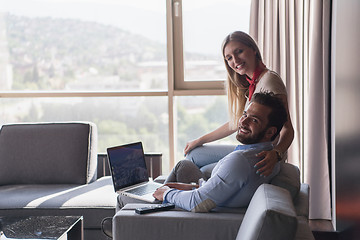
{"points": [[142, 190]]}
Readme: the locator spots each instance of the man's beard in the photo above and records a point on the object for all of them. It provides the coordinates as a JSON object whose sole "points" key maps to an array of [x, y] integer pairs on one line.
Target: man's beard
{"points": [[251, 139]]}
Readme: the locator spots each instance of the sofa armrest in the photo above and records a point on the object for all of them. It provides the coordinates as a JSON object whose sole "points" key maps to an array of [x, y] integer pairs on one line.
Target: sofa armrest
{"points": [[175, 224], [270, 215], [103, 168], [301, 202]]}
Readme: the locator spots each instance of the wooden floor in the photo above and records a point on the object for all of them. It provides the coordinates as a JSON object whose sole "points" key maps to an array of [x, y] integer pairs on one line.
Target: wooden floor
{"points": [[321, 225], [324, 230]]}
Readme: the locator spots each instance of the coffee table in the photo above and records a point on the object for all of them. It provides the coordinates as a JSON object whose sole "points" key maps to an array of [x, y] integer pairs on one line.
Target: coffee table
{"points": [[42, 227]]}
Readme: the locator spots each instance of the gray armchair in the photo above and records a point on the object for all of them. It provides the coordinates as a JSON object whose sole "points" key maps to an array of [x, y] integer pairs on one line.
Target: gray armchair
{"points": [[51, 169]]}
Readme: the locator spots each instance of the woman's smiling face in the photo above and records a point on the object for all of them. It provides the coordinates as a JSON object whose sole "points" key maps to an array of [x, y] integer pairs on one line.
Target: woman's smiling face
{"points": [[241, 58]]}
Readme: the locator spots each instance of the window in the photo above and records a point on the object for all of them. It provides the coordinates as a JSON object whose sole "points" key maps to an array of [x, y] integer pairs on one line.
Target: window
{"points": [[84, 45], [118, 64], [197, 115], [204, 24]]}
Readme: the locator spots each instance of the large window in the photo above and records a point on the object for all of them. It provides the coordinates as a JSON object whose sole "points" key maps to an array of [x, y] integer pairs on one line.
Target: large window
{"points": [[84, 45], [120, 64]]}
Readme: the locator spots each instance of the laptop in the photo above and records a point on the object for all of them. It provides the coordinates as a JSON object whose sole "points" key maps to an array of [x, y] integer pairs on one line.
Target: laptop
{"points": [[129, 173]]}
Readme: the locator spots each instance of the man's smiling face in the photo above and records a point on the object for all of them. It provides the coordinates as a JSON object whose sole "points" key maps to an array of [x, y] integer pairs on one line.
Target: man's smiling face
{"points": [[253, 125]]}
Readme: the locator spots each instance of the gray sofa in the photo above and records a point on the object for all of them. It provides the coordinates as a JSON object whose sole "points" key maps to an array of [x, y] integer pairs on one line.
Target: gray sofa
{"points": [[52, 169], [277, 211]]}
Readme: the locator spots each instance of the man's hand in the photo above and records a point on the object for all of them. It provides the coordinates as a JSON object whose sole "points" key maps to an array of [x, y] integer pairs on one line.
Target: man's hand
{"points": [[266, 165], [158, 194]]}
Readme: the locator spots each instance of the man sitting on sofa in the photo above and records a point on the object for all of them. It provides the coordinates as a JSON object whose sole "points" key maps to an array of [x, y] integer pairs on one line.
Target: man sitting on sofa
{"points": [[234, 180]]}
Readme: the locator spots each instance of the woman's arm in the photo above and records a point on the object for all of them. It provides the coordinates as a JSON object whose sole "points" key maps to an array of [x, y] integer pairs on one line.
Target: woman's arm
{"points": [[286, 137], [219, 133]]}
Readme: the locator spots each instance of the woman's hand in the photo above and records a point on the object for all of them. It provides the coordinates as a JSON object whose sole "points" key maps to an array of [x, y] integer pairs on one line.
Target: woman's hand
{"points": [[266, 166], [191, 145]]}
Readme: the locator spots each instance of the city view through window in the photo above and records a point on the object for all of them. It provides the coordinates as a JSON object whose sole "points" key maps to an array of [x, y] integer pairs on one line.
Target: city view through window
{"points": [[103, 46]]}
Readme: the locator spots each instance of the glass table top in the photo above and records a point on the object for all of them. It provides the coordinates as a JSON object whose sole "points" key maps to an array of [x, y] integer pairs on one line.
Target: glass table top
{"points": [[36, 227]]}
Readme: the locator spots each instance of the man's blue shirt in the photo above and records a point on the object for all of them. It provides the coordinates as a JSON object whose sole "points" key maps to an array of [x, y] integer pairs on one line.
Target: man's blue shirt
{"points": [[232, 183]]}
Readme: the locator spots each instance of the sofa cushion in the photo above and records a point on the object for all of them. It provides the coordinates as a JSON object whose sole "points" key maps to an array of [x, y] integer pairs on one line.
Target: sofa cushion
{"points": [[94, 201], [175, 224], [270, 215], [48, 153], [288, 178]]}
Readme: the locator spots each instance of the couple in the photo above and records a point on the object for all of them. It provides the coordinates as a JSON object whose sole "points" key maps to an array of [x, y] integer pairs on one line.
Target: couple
{"points": [[234, 179]]}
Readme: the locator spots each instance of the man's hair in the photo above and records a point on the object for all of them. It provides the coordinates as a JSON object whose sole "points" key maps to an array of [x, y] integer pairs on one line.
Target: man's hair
{"points": [[278, 115]]}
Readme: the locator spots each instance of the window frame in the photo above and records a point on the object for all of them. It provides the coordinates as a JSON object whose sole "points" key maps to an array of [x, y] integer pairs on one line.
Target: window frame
{"points": [[175, 7]]}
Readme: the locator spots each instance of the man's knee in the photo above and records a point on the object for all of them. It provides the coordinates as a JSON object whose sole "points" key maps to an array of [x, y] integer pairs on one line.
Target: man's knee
{"points": [[187, 172], [184, 165]]}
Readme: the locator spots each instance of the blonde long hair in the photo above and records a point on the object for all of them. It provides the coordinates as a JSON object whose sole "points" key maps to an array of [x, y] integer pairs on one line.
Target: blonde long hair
{"points": [[236, 84]]}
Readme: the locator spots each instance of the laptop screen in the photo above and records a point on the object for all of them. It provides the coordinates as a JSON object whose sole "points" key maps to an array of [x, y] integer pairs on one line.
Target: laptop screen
{"points": [[127, 165]]}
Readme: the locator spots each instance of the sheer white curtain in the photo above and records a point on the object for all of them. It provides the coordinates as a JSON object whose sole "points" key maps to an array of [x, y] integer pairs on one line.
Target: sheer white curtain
{"points": [[294, 37]]}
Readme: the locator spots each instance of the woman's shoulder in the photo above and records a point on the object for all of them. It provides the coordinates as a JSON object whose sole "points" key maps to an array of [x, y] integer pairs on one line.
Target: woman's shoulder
{"points": [[270, 75], [271, 81]]}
